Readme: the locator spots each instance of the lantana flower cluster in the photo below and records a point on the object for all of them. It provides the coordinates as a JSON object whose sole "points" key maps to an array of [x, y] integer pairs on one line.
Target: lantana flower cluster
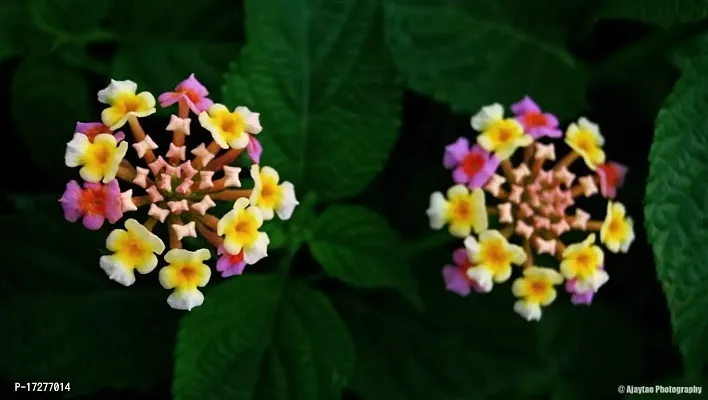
{"points": [[177, 188], [535, 203]]}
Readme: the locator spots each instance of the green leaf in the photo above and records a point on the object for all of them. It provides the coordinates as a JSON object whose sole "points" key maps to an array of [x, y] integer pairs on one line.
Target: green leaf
{"points": [[159, 48], [676, 209], [62, 256], [47, 99], [16, 29], [478, 348], [359, 247], [256, 337], [660, 12], [184, 22], [470, 54], [61, 20], [117, 339], [320, 77], [65, 319]]}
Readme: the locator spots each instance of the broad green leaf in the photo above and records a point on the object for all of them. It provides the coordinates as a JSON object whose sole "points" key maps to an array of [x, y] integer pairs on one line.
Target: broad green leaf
{"points": [[15, 29], [660, 12], [477, 348], [320, 77], [159, 48], [116, 339], [359, 247], [256, 337], [47, 99], [183, 22], [473, 53], [61, 20], [158, 66], [45, 253], [676, 209]]}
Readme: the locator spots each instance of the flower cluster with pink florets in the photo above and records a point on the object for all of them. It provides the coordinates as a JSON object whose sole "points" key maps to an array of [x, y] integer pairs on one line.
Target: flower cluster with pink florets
{"points": [[175, 191], [533, 198]]}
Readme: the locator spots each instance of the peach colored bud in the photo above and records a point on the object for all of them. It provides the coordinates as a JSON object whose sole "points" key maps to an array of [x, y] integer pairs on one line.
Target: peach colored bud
{"points": [[187, 169], [177, 152], [231, 178], [182, 231], [144, 145], [177, 123], [525, 210], [548, 210], [565, 176], [157, 165], [205, 179], [494, 184], [176, 207], [541, 222], [126, 199], [588, 185], [185, 187], [515, 195], [203, 153], [202, 206], [545, 246], [166, 182], [158, 213], [565, 198], [545, 177], [546, 196], [545, 152], [560, 227], [533, 188], [535, 202], [141, 176], [520, 172], [581, 219], [523, 229], [154, 194], [505, 213]]}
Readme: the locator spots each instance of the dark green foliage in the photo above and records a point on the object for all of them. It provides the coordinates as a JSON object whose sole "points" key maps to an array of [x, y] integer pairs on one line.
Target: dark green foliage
{"points": [[357, 100]]}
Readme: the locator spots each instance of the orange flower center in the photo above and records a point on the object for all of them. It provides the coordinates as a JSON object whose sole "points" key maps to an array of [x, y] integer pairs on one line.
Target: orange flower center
{"points": [[583, 259], [131, 105], [188, 272], [102, 155], [242, 227], [267, 191], [228, 125], [615, 226], [537, 288], [496, 254], [472, 163], [584, 144], [610, 175], [505, 135], [462, 210], [193, 97], [92, 201], [235, 259], [535, 119], [135, 248]]}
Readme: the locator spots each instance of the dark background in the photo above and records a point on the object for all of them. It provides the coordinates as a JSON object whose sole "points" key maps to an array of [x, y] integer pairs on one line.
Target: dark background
{"points": [[623, 338]]}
